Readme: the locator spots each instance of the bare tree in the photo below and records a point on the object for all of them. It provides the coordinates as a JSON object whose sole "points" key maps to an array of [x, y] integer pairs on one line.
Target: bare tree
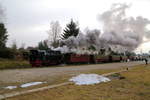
{"points": [[54, 33], [14, 45]]}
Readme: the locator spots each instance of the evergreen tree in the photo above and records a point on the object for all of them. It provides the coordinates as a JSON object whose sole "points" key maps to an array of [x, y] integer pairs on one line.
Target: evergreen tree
{"points": [[43, 45], [70, 30], [3, 35]]}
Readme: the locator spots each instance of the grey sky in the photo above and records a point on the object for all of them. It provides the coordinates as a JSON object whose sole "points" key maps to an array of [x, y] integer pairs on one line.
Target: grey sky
{"points": [[28, 20]]}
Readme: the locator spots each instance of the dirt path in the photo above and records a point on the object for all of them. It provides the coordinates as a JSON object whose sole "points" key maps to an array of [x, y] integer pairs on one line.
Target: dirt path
{"points": [[45, 74]]}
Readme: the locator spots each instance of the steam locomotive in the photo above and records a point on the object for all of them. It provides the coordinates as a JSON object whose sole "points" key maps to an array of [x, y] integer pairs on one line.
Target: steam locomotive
{"points": [[49, 57]]}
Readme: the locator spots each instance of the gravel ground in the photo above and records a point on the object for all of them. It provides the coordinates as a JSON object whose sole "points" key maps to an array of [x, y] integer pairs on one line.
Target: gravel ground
{"points": [[45, 74]]}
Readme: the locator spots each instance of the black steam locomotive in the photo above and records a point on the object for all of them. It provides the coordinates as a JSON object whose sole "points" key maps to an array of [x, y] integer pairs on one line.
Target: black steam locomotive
{"points": [[50, 57]]}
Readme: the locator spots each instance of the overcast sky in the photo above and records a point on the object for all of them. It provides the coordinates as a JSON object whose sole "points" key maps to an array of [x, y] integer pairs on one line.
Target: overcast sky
{"points": [[28, 20]]}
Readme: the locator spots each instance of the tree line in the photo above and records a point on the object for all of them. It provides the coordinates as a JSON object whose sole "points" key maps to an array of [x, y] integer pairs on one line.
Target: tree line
{"points": [[71, 29]]}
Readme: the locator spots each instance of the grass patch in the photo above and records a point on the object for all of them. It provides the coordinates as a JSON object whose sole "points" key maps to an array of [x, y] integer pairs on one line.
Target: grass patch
{"points": [[57, 79], [11, 64], [136, 86], [115, 75]]}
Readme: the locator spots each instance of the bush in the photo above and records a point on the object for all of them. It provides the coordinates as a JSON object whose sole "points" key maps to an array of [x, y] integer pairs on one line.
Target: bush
{"points": [[6, 53]]}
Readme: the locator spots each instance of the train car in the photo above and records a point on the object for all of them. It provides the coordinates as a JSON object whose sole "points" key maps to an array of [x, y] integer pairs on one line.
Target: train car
{"points": [[101, 59], [116, 58], [109, 58], [124, 58], [71, 58], [132, 58]]}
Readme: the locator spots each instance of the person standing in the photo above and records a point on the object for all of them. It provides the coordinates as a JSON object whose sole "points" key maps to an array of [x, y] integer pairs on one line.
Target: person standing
{"points": [[146, 61]]}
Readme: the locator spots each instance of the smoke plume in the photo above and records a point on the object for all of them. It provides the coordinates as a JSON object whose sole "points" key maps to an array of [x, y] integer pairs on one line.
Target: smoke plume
{"points": [[119, 30], [120, 33]]}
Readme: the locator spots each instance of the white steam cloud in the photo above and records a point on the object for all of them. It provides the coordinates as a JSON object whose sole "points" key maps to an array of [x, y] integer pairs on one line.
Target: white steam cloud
{"points": [[120, 33]]}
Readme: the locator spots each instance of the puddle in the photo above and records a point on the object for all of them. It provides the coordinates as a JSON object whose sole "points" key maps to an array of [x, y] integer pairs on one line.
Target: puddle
{"points": [[10, 87]]}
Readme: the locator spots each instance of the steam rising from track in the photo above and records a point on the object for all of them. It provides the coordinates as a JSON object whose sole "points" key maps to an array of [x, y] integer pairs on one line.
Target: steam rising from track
{"points": [[120, 33]]}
